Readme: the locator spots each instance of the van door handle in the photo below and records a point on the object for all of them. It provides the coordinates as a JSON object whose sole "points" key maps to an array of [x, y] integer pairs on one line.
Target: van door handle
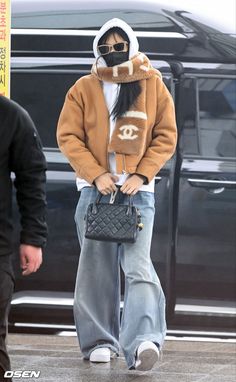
{"points": [[157, 179], [211, 183]]}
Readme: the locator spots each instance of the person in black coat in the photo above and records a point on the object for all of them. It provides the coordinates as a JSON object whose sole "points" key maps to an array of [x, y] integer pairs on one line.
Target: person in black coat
{"points": [[21, 154]]}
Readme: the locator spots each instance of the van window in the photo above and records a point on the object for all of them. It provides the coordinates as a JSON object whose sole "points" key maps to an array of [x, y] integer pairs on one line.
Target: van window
{"points": [[77, 19], [208, 110], [42, 94]]}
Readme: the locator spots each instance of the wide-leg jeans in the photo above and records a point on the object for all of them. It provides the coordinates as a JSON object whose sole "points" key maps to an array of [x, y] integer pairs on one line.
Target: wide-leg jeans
{"points": [[97, 288]]}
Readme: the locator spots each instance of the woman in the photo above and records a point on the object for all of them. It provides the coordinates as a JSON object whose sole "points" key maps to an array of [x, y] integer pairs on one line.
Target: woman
{"points": [[117, 128]]}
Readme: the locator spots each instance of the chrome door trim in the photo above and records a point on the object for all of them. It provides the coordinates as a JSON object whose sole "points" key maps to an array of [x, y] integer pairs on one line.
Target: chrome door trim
{"points": [[188, 309], [212, 181], [89, 32]]}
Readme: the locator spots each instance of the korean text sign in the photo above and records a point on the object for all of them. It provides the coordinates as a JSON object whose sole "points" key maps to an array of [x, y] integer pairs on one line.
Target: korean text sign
{"points": [[5, 20]]}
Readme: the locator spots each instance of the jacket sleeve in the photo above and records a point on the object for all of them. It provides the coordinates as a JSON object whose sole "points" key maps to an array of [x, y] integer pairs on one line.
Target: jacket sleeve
{"points": [[164, 135], [71, 136], [29, 165]]}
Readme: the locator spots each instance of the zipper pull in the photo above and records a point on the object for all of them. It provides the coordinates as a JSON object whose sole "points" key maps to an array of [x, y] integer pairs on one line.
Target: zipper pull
{"points": [[113, 196]]}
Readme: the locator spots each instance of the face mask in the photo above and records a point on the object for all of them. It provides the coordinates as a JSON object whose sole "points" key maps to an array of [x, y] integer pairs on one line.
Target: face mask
{"points": [[116, 58]]}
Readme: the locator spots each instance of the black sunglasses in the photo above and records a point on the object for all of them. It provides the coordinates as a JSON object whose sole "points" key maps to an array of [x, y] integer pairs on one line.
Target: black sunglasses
{"points": [[118, 47]]}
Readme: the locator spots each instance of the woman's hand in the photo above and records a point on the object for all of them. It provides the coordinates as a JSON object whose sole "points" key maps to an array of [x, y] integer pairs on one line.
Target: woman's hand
{"points": [[132, 184], [105, 183]]}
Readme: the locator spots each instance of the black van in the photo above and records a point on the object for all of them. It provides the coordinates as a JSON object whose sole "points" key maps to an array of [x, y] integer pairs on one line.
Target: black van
{"points": [[194, 241]]}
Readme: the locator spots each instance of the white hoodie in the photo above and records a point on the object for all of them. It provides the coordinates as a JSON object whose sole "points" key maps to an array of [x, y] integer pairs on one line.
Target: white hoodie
{"points": [[111, 92]]}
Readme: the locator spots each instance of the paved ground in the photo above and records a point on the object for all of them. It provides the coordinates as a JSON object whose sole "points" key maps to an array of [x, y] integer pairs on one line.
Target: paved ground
{"points": [[59, 359]]}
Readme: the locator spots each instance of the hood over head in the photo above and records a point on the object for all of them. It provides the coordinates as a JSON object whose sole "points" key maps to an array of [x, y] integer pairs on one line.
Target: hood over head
{"points": [[115, 22]]}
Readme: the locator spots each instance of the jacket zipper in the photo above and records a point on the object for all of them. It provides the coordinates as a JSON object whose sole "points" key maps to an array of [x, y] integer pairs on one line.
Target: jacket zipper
{"points": [[124, 165], [108, 138]]}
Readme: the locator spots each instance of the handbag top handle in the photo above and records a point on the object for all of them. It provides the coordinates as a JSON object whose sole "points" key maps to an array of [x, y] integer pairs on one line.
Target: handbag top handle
{"points": [[98, 199]]}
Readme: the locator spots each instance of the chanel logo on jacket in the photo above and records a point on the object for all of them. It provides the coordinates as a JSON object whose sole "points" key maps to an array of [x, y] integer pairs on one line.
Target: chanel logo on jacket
{"points": [[127, 132]]}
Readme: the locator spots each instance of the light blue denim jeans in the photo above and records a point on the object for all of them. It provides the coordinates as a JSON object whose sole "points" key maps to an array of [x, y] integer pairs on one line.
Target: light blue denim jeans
{"points": [[97, 288]]}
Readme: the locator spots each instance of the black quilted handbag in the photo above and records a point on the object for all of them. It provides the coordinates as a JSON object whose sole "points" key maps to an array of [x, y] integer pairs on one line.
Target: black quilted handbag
{"points": [[112, 222]]}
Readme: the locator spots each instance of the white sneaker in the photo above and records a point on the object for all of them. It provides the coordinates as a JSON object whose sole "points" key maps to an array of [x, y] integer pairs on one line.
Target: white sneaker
{"points": [[100, 355], [147, 355]]}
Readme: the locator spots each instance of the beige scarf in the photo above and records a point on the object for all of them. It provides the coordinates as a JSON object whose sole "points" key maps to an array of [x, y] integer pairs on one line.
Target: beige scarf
{"points": [[131, 127]]}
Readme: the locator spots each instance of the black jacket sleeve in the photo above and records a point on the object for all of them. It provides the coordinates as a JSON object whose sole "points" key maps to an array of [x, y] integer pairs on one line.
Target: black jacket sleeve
{"points": [[28, 163]]}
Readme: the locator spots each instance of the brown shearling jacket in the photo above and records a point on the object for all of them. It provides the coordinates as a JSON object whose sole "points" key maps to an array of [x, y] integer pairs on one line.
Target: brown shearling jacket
{"points": [[83, 131]]}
